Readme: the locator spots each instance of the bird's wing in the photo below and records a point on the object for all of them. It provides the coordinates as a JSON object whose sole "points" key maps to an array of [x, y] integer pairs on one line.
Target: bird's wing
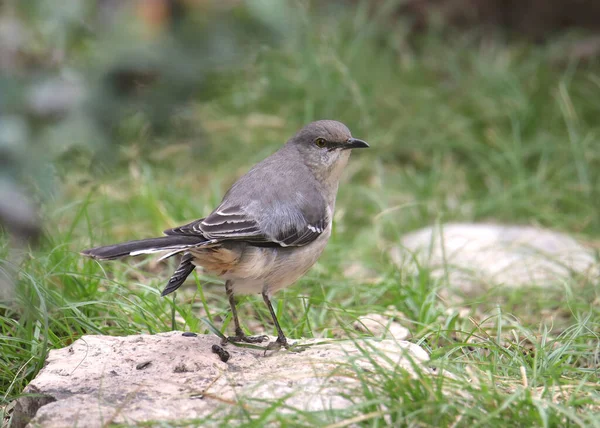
{"points": [[278, 202], [295, 226], [230, 223]]}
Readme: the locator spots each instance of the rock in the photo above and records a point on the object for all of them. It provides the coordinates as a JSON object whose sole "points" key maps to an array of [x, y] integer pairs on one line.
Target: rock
{"points": [[103, 380], [478, 255], [381, 326]]}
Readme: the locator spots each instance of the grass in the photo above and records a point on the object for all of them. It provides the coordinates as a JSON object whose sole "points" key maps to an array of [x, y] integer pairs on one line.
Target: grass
{"points": [[460, 130]]}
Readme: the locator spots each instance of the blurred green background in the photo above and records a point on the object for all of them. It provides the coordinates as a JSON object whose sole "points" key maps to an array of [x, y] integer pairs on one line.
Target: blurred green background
{"points": [[119, 119]]}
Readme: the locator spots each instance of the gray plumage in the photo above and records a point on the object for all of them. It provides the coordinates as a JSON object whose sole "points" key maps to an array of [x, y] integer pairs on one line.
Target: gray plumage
{"points": [[271, 226]]}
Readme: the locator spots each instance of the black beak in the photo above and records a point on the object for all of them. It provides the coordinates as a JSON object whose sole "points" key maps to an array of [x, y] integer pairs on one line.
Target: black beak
{"points": [[355, 143]]}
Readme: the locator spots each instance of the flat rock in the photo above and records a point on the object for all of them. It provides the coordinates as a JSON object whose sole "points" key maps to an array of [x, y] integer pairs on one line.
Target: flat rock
{"points": [[100, 380], [381, 326], [474, 256]]}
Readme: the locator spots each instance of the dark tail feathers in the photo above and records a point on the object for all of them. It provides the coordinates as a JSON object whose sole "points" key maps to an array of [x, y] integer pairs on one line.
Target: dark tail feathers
{"points": [[186, 267], [144, 246]]}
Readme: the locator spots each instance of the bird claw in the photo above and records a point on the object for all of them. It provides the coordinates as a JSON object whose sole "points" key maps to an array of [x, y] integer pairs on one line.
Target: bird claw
{"points": [[283, 343], [277, 345], [245, 339]]}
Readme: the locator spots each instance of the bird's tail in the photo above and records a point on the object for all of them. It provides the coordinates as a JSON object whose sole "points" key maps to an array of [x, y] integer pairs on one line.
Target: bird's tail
{"points": [[173, 244]]}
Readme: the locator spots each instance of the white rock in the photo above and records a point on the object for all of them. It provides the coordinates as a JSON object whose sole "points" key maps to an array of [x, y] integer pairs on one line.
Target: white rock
{"points": [[381, 326], [478, 255], [168, 377]]}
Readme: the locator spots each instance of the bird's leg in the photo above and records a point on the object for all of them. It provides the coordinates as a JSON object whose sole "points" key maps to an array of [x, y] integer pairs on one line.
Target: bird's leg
{"points": [[240, 336], [281, 339]]}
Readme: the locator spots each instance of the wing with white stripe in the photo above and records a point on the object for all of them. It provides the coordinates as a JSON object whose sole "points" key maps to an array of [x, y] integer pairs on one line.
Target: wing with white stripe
{"points": [[301, 234], [228, 224], [233, 224]]}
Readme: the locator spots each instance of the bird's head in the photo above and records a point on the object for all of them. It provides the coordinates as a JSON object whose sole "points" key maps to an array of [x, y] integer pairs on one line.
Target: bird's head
{"points": [[325, 146]]}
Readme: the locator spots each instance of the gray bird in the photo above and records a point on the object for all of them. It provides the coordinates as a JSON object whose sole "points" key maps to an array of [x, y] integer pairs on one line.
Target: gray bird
{"points": [[270, 228]]}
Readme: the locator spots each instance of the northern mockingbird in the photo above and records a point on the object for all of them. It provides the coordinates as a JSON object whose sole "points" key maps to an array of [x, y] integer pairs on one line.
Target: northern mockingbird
{"points": [[270, 228]]}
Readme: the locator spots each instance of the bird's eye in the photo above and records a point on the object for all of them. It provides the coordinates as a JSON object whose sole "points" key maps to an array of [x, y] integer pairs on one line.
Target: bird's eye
{"points": [[320, 142]]}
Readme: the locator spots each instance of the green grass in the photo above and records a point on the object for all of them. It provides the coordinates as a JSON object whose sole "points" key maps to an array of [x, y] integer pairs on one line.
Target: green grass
{"points": [[459, 130]]}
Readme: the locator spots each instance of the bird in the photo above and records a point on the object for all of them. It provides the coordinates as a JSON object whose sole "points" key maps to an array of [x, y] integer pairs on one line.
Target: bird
{"points": [[270, 228]]}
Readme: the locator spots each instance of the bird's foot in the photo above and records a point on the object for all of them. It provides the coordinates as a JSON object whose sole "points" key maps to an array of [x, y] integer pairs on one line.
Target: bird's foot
{"points": [[241, 337], [283, 343], [277, 345]]}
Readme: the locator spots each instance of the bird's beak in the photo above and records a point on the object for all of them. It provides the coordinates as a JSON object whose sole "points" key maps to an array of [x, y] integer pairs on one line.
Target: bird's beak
{"points": [[355, 143]]}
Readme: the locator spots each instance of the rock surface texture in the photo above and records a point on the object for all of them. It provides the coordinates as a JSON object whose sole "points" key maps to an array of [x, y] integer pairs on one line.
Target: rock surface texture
{"points": [[100, 380], [381, 326], [476, 255]]}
